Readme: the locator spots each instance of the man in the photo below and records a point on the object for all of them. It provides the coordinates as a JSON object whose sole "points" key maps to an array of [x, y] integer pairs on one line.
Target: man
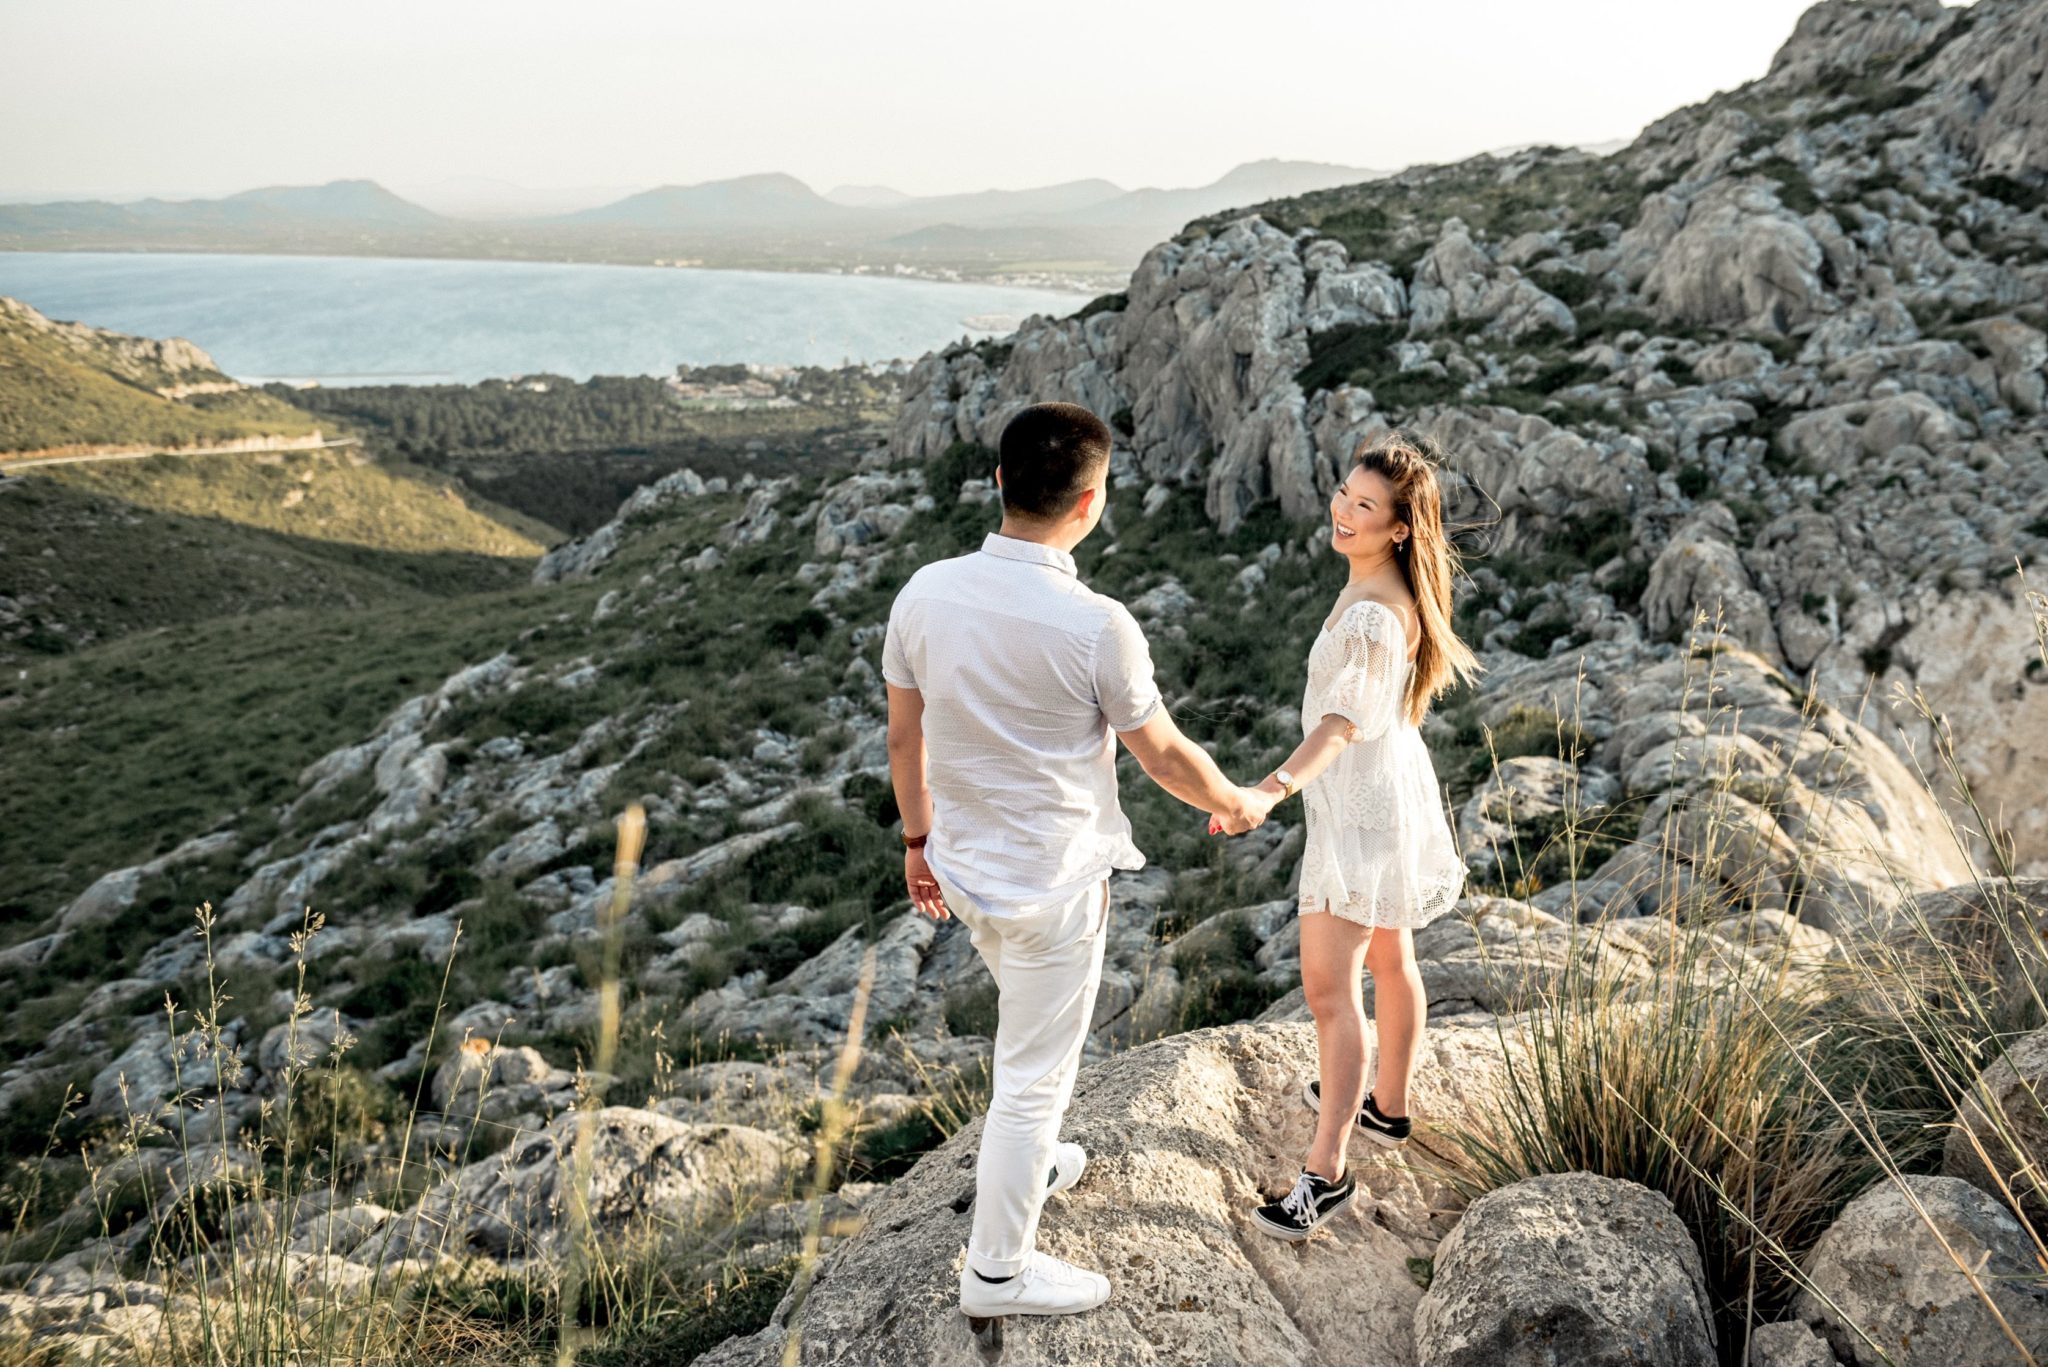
{"points": [[1006, 678]]}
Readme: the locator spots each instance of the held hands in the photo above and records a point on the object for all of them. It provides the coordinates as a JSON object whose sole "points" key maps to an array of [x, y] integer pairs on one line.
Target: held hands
{"points": [[1248, 813], [924, 889]]}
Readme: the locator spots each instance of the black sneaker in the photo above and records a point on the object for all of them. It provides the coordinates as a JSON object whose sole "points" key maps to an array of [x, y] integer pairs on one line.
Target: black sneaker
{"points": [[1380, 1128], [1307, 1208]]}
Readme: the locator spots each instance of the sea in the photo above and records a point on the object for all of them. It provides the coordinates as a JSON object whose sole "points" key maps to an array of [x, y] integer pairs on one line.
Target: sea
{"points": [[364, 320]]}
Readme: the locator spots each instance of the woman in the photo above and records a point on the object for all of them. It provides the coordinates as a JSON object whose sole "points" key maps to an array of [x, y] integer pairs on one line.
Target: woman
{"points": [[1380, 860]]}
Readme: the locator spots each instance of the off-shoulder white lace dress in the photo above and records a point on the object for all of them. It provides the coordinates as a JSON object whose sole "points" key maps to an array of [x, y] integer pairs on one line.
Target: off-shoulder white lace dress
{"points": [[1379, 847]]}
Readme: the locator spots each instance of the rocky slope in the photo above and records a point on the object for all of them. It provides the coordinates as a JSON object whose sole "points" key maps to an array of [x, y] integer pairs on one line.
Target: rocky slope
{"points": [[1790, 340], [1780, 360]]}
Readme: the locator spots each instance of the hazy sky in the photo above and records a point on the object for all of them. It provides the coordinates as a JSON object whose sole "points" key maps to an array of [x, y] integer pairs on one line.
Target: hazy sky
{"points": [[211, 96]]}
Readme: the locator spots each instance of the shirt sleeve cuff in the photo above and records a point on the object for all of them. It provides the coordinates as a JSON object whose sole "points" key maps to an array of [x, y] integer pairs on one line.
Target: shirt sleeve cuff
{"points": [[1145, 714], [1352, 715]]}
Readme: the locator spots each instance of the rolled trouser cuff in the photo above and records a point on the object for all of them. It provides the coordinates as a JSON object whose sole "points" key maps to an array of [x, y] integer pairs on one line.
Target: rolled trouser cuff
{"points": [[996, 1267]]}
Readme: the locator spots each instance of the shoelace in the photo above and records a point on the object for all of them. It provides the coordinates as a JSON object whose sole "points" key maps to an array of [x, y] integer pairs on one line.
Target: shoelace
{"points": [[1053, 1270], [1301, 1200]]}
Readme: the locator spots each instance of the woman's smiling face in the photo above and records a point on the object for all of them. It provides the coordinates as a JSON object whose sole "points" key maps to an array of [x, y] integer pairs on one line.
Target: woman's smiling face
{"points": [[1362, 519]]}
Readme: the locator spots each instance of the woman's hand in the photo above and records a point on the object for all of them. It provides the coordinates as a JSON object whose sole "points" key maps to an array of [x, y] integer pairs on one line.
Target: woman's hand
{"points": [[924, 889]]}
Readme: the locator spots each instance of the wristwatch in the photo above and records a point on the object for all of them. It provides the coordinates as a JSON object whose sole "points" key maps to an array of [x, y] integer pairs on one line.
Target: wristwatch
{"points": [[1286, 780], [916, 842]]}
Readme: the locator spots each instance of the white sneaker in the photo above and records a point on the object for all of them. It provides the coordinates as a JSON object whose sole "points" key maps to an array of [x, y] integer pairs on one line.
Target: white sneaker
{"points": [[1069, 1161], [1046, 1286]]}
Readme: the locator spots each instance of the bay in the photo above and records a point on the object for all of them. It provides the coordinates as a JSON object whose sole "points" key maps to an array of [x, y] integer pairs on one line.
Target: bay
{"points": [[368, 320]]}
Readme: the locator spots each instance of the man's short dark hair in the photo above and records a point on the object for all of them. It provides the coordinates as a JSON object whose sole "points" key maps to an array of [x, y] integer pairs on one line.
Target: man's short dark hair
{"points": [[1050, 454]]}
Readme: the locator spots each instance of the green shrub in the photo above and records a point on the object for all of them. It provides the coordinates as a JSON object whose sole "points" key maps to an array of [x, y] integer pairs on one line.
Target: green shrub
{"points": [[958, 463], [337, 1111], [1352, 350], [1568, 287], [1105, 303], [971, 1010]]}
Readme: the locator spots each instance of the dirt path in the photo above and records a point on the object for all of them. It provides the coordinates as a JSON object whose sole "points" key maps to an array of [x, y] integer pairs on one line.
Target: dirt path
{"points": [[7, 465]]}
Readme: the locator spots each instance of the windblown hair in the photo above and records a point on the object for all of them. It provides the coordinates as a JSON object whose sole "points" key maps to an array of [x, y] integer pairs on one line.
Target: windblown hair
{"points": [[1049, 453], [1429, 563]]}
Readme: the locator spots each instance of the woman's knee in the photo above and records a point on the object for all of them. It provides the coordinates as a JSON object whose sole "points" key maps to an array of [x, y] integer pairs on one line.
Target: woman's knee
{"points": [[1330, 997], [1390, 952]]}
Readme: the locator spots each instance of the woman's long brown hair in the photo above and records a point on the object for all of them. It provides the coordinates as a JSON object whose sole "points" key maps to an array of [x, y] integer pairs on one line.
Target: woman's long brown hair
{"points": [[1428, 565]]}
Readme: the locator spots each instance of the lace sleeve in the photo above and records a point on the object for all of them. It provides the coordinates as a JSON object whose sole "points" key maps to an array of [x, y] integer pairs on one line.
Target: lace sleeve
{"points": [[1365, 688]]}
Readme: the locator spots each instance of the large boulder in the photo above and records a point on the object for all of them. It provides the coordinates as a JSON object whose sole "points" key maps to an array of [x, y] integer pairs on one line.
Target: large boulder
{"points": [[1886, 1283], [1739, 259], [1567, 1267], [1699, 568], [1183, 1135]]}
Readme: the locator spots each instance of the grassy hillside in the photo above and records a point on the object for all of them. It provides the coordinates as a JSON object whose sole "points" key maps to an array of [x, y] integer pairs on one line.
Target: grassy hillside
{"points": [[91, 552], [570, 453], [120, 752], [62, 384], [338, 496]]}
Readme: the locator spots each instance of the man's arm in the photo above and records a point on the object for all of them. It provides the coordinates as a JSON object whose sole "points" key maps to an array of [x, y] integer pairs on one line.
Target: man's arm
{"points": [[913, 795], [1185, 770]]}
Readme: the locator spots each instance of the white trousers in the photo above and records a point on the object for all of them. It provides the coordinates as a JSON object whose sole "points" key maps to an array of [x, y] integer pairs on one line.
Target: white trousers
{"points": [[1046, 958]]}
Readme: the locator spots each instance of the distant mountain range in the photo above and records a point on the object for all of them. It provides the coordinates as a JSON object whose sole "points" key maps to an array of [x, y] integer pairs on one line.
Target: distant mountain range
{"points": [[1085, 227]]}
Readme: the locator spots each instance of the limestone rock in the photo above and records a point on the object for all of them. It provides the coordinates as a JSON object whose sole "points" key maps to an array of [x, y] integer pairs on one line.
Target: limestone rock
{"points": [[2007, 1117], [1182, 1135], [1739, 259], [1879, 1269], [511, 1207], [1568, 1267]]}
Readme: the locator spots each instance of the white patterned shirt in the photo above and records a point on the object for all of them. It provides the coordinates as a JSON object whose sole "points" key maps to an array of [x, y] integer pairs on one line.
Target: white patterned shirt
{"points": [[1025, 672]]}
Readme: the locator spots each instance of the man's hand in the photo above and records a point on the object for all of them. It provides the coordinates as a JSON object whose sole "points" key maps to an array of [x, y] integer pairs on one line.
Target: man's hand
{"points": [[1248, 813], [924, 889]]}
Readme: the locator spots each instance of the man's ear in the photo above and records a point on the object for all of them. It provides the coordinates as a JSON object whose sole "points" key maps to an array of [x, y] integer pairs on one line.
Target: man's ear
{"points": [[1083, 504], [999, 477]]}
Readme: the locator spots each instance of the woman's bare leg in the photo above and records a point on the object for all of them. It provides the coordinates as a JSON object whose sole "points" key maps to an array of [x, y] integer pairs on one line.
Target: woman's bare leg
{"points": [[1332, 958], [1399, 1010]]}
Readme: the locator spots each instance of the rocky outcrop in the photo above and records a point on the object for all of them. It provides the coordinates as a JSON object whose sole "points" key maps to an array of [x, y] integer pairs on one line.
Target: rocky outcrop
{"points": [[513, 1207], [1182, 1136], [1848, 208]]}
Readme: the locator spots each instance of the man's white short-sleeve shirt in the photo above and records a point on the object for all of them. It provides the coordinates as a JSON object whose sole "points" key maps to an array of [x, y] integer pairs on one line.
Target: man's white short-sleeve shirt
{"points": [[1025, 673]]}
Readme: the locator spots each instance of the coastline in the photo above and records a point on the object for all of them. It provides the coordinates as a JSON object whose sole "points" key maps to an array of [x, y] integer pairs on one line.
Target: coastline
{"points": [[1083, 286]]}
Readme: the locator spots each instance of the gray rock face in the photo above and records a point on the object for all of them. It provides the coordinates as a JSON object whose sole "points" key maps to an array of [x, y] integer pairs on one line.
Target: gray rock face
{"points": [[1700, 567], [582, 557], [1738, 258], [1894, 1294], [2000, 1142], [1988, 102], [114, 893], [1182, 1135], [512, 1207], [1568, 1267], [1789, 1344]]}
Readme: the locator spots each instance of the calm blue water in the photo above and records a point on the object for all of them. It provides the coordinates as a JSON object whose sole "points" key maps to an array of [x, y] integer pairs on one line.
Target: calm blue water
{"points": [[356, 320]]}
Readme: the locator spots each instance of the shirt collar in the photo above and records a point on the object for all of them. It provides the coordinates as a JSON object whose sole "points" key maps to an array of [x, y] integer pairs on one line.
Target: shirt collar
{"points": [[1031, 552]]}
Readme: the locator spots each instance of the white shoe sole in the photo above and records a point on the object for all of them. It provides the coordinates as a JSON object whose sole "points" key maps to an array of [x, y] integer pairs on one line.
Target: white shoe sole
{"points": [[1385, 1141], [996, 1310]]}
